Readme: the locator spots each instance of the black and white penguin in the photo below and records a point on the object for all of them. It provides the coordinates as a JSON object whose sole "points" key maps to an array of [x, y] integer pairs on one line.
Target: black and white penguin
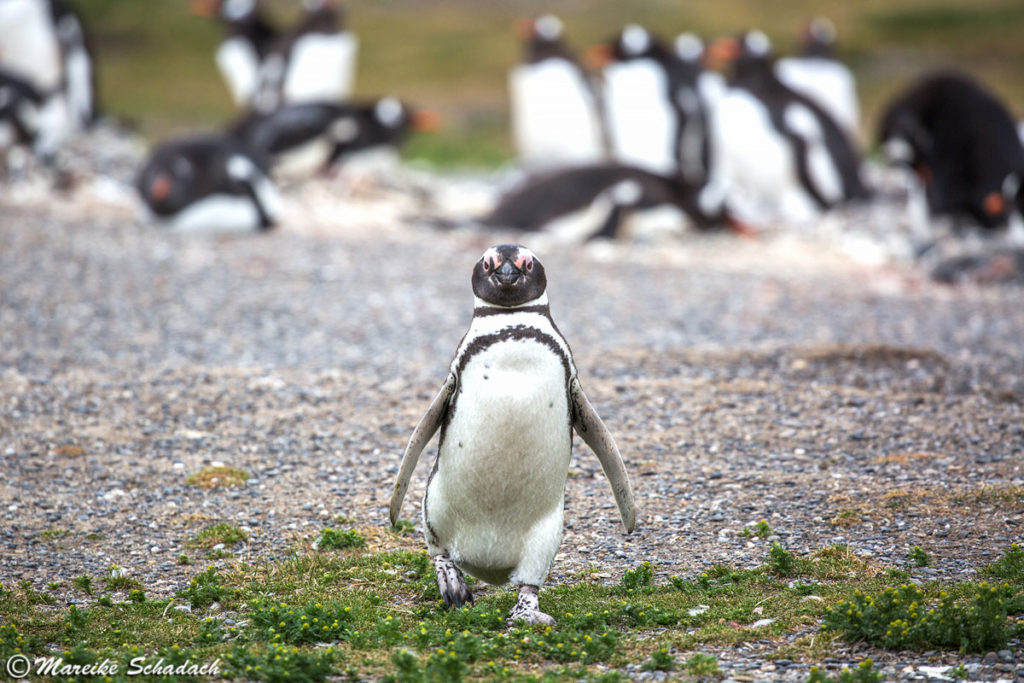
{"points": [[640, 115], [304, 139], [48, 51], [208, 184], [250, 38], [961, 142], [591, 202], [817, 73], [554, 105], [494, 501], [782, 151]]}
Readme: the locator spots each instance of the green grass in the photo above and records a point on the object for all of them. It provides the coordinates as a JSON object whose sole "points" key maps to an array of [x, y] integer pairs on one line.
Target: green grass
{"points": [[220, 534], [379, 614], [452, 56]]}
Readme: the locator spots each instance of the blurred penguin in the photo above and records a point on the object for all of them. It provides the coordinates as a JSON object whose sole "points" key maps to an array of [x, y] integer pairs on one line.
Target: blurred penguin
{"points": [[208, 184], [786, 158], [641, 118], [962, 145], [42, 43], [818, 74], [555, 117], [250, 38]]}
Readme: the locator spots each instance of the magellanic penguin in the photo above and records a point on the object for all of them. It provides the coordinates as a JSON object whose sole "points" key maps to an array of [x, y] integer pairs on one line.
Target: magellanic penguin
{"points": [[591, 202], [208, 184], [640, 115], [817, 73], [962, 144], [250, 38], [554, 107], [783, 152], [494, 501], [304, 139]]}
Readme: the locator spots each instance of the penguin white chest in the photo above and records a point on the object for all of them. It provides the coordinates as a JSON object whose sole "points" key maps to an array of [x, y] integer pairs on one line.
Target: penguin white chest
{"points": [[511, 424], [641, 122]]}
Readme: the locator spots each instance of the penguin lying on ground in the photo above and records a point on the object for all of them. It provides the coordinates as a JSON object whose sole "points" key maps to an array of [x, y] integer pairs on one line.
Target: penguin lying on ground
{"points": [[494, 501], [555, 116], [961, 142], [590, 202], [208, 184], [304, 139]]}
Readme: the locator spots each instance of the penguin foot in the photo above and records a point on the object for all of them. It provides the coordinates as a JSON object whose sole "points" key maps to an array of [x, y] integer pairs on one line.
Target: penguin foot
{"points": [[451, 583], [527, 609]]}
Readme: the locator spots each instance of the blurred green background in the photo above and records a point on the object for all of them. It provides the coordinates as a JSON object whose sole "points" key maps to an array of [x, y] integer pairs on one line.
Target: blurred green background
{"points": [[156, 69]]}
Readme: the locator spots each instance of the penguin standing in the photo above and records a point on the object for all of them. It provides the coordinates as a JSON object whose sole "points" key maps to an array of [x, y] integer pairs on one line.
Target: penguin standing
{"points": [[46, 48], [818, 74], [250, 38], [315, 61], [782, 151], [208, 184], [494, 501], [304, 139], [961, 142], [555, 117], [641, 118]]}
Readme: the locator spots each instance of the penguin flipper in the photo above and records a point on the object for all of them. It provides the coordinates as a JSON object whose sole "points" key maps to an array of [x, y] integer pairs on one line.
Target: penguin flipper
{"points": [[428, 425], [592, 430]]}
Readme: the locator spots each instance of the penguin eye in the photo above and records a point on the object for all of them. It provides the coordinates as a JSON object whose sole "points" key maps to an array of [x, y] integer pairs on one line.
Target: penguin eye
{"points": [[529, 265], [487, 266]]}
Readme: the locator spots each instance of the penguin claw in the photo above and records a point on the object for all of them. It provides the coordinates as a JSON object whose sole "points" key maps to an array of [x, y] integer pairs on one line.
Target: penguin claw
{"points": [[527, 609], [451, 583]]}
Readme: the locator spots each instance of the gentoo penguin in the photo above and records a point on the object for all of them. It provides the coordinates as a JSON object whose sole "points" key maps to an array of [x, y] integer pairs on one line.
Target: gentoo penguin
{"points": [[590, 202], [208, 184], [304, 139], [961, 142], [554, 106], [313, 62], [250, 38], [818, 74], [507, 410], [782, 151], [48, 51], [640, 115]]}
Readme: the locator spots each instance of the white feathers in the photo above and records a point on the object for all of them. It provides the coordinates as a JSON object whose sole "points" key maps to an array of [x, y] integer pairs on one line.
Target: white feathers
{"points": [[635, 39], [548, 27], [827, 82], [641, 121], [554, 115], [240, 65], [321, 67], [388, 111]]}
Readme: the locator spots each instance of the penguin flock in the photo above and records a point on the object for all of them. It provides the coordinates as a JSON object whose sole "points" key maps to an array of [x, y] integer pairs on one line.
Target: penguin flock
{"points": [[296, 119], [742, 139]]}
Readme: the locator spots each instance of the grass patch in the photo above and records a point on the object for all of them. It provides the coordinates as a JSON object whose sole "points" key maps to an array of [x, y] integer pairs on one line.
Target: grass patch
{"points": [[377, 615], [217, 477], [339, 539], [220, 534]]}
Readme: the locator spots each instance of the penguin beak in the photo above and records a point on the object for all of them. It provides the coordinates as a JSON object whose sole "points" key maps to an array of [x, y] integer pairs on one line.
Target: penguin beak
{"points": [[426, 121], [723, 51], [524, 28], [599, 56], [160, 188], [507, 274], [204, 8]]}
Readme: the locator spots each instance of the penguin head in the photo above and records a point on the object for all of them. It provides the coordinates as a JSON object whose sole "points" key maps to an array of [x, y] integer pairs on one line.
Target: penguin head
{"points": [[509, 275], [818, 38]]}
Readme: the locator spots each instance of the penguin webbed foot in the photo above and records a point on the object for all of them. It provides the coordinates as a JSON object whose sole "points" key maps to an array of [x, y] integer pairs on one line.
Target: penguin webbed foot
{"points": [[451, 583], [527, 609]]}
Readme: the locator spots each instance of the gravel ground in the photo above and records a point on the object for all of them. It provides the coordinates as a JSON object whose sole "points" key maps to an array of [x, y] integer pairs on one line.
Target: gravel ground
{"points": [[842, 400]]}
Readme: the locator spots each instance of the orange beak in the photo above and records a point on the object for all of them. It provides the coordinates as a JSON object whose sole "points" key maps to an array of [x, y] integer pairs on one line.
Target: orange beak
{"points": [[524, 29], [426, 121], [994, 204], [160, 188], [722, 52], [204, 8], [598, 56]]}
